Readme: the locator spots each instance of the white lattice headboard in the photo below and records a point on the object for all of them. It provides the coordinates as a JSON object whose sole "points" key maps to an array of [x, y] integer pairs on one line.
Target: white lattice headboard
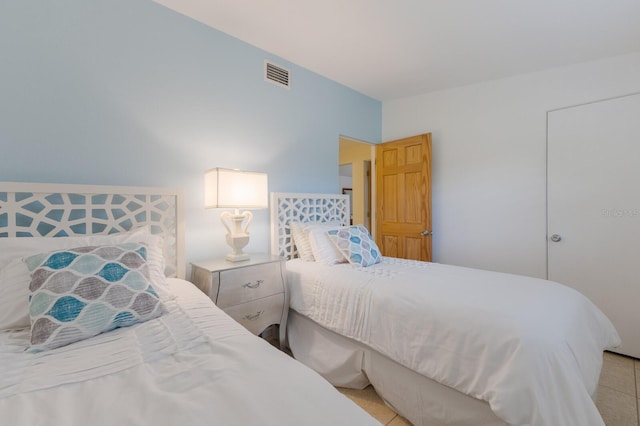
{"points": [[286, 208], [57, 210]]}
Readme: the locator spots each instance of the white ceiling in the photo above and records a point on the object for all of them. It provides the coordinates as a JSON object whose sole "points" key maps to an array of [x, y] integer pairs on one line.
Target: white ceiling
{"points": [[395, 48]]}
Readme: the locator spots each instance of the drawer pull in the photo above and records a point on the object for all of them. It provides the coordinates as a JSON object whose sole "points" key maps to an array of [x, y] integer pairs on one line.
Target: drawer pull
{"points": [[254, 316], [254, 285]]}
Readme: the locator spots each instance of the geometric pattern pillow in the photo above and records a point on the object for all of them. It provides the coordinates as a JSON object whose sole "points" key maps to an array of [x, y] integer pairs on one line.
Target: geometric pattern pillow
{"points": [[82, 292], [356, 244]]}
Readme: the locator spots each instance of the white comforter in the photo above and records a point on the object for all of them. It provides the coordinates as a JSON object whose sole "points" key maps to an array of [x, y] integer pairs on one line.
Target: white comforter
{"points": [[192, 366], [529, 347]]}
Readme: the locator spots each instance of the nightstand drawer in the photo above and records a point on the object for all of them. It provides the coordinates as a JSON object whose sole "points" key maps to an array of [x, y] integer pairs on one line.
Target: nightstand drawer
{"points": [[256, 315], [242, 285]]}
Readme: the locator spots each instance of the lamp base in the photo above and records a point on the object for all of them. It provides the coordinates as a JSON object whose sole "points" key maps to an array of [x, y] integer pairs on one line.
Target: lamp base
{"points": [[232, 257], [237, 242]]}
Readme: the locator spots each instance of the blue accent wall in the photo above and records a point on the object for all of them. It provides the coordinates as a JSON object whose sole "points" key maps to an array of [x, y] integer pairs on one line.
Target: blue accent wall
{"points": [[127, 92]]}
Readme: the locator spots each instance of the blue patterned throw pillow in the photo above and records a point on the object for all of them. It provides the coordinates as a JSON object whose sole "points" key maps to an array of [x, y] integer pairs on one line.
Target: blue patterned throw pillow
{"points": [[356, 244], [82, 292]]}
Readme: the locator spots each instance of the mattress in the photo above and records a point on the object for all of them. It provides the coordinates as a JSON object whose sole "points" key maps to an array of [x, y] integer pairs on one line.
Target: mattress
{"points": [[530, 348], [193, 365]]}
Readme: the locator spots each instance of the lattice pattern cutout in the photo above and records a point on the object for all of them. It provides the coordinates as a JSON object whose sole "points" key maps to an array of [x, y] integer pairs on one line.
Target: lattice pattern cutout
{"points": [[286, 208], [55, 214]]}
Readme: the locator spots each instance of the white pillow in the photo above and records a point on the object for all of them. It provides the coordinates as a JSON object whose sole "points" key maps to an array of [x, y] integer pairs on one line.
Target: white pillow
{"points": [[300, 234], [301, 240], [324, 250], [12, 247], [14, 295], [15, 277]]}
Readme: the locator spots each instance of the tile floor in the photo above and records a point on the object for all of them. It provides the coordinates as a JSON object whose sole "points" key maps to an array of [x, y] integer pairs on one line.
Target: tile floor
{"points": [[369, 400], [618, 395]]}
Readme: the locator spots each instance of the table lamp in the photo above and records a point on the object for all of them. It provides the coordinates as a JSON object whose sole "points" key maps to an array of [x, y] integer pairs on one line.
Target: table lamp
{"points": [[236, 189]]}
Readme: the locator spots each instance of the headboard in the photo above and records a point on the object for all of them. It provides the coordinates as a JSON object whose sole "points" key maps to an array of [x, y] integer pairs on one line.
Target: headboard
{"points": [[57, 210], [286, 208]]}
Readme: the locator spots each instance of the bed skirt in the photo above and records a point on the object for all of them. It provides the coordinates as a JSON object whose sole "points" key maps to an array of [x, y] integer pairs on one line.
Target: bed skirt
{"points": [[347, 363]]}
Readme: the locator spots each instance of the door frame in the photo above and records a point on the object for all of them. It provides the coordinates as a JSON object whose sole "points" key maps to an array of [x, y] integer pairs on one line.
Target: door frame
{"points": [[372, 174]]}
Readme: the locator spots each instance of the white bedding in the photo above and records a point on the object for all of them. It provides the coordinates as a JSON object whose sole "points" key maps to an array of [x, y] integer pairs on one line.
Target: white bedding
{"points": [[531, 348], [192, 366]]}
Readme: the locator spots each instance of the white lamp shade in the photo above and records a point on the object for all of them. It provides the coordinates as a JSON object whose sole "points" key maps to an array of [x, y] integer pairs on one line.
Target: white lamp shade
{"points": [[226, 188]]}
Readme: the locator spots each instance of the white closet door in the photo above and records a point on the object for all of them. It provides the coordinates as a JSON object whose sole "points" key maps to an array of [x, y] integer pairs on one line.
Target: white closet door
{"points": [[594, 208]]}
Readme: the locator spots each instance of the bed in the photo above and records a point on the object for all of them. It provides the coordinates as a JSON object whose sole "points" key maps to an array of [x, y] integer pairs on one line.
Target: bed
{"points": [[440, 344], [173, 356]]}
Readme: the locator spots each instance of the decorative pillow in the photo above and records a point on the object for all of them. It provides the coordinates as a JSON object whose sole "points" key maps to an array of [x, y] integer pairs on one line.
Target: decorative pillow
{"points": [[356, 244], [323, 249], [15, 277], [82, 292]]}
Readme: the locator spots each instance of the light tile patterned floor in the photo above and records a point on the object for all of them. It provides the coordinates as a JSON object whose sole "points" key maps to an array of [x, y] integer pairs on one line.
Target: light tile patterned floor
{"points": [[618, 397]]}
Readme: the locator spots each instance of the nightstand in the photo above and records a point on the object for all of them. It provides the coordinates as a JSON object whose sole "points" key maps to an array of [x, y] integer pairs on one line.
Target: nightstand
{"points": [[253, 292]]}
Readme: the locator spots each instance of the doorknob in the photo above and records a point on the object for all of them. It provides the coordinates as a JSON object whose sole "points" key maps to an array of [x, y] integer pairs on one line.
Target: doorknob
{"points": [[425, 233], [556, 238]]}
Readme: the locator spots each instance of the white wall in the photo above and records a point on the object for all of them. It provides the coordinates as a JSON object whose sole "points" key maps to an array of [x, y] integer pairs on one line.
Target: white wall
{"points": [[489, 158]]}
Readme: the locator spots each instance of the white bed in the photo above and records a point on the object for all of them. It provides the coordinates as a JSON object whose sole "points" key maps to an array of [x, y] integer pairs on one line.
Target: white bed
{"points": [[192, 365], [442, 344]]}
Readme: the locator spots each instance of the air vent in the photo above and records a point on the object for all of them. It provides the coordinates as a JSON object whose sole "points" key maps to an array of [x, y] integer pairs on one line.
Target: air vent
{"points": [[276, 74]]}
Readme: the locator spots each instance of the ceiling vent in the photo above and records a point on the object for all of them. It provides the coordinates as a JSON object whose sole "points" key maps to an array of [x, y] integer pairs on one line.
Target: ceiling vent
{"points": [[276, 74]]}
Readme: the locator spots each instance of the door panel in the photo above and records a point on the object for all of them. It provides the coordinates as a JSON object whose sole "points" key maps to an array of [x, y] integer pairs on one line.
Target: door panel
{"points": [[390, 243], [413, 247], [413, 211], [390, 158], [403, 200], [389, 188], [594, 207], [414, 154]]}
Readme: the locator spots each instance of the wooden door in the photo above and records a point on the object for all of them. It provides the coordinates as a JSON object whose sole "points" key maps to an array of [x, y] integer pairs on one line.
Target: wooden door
{"points": [[594, 208], [403, 197]]}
